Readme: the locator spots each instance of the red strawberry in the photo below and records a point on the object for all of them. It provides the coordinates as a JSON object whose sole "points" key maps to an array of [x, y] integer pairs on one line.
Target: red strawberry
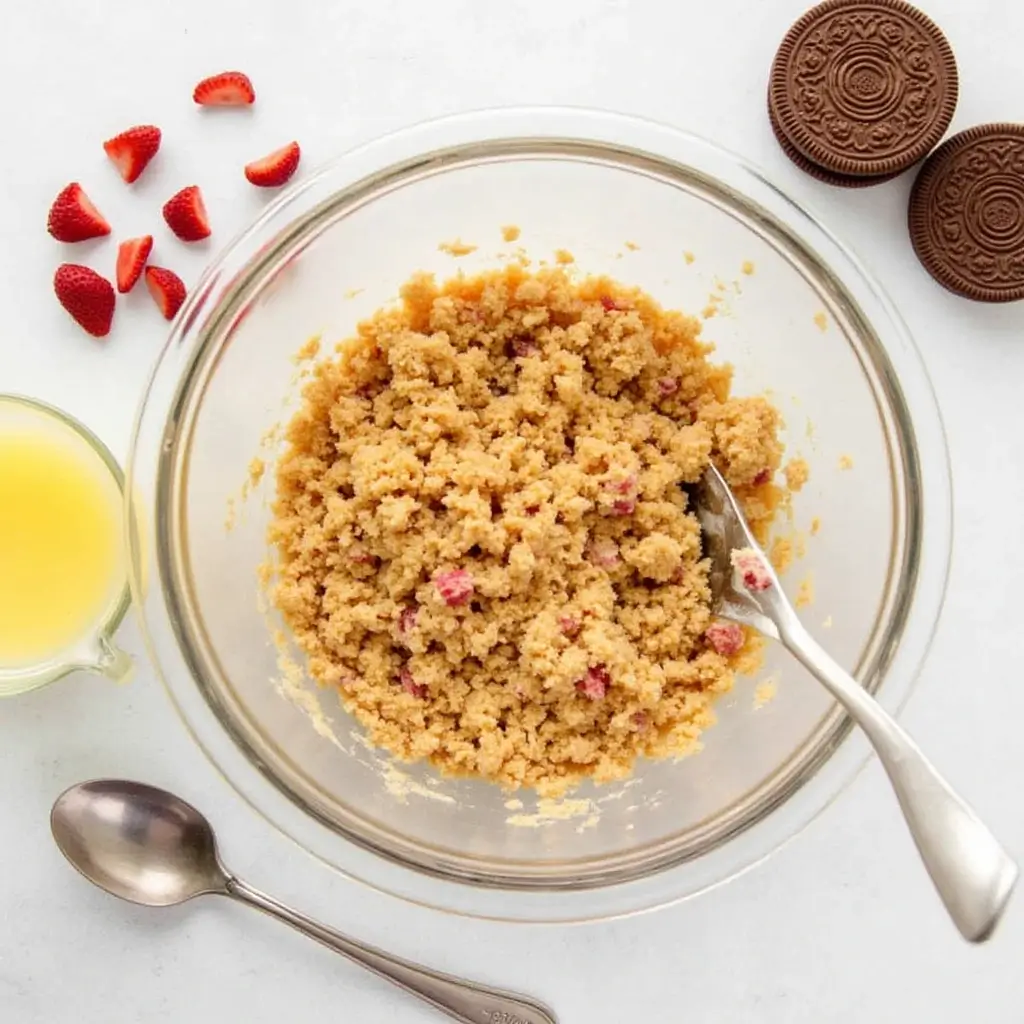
{"points": [[228, 89], [132, 150], [73, 218], [186, 215], [167, 289], [131, 259], [88, 297], [275, 169]]}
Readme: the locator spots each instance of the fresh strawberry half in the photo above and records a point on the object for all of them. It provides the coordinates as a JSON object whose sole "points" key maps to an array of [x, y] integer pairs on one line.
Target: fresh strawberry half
{"points": [[185, 214], [73, 218], [88, 297], [167, 289], [228, 89], [275, 169], [131, 260], [132, 150]]}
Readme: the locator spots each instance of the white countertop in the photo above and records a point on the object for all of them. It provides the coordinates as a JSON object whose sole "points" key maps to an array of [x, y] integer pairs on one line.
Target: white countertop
{"points": [[841, 925]]}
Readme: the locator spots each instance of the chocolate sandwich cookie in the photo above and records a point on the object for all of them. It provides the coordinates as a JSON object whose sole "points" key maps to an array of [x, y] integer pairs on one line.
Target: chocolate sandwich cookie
{"points": [[966, 213], [863, 88]]}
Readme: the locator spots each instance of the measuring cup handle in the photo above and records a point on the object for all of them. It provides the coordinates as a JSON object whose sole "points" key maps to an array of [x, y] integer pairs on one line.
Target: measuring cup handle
{"points": [[113, 663]]}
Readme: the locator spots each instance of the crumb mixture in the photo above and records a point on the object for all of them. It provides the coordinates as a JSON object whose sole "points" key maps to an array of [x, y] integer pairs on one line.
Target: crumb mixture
{"points": [[481, 537]]}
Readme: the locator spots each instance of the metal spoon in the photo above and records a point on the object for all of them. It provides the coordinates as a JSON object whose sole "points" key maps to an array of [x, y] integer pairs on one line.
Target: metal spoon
{"points": [[150, 847], [972, 872]]}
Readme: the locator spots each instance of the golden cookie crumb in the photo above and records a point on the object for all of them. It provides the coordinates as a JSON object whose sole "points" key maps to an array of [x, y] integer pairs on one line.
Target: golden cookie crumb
{"points": [[688, 256], [457, 248], [781, 554], [821, 321], [815, 526], [510, 232], [482, 542], [747, 267], [797, 473], [257, 467], [845, 462], [805, 593], [564, 257], [632, 246], [310, 350]]}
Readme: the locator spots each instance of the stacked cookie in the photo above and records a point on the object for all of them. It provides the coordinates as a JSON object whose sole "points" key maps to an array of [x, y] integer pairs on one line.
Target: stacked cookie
{"points": [[861, 91]]}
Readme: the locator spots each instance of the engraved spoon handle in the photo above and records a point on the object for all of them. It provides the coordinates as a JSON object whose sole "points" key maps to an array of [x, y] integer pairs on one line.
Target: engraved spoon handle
{"points": [[462, 1000], [972, 873]]}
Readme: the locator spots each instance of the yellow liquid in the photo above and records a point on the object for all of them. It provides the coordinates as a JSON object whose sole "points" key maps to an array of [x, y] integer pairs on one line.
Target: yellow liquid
{"points": [[61, 564]]}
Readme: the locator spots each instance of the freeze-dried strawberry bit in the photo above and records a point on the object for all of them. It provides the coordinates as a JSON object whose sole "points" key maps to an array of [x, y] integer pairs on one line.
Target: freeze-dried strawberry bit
{"points": [[570, 626], [609, 303], [359, 554], [641, 721], [622, 485], [762, 478], [752, 569], [603, 552], [523, 347], [454, 586], [594, 685], [623, 507], [407, 620], [668, 386], [532, 510], [409, 684], [725, 637]]}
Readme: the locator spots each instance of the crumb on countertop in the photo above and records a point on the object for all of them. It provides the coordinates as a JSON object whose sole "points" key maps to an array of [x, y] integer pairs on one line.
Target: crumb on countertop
{"points": [[747, 267], [805, 593], [457, 248], [845, 462], [688, 256], [797, 473], [632, 246], [482, 542], [310, 350], [564, 257], [781, 554], [821, 321], [257, 467], [815, 526], [510, 232]]}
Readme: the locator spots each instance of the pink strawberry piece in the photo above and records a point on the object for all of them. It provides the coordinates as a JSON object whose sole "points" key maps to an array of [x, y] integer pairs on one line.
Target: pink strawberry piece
{"points": [[603, 552], [749, 564], [668, 386], [359, 554], [609, 303], [726, 637], [414, 689], [407, 620], [623, 507], [454, 586], [570, 626], [624, 485], [641, 721], [762, 478], [524, 347], [73, 218], [594, 685]]}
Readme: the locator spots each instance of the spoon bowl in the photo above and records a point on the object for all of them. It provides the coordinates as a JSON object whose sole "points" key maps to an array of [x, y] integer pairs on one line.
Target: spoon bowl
{"points": [[137, 842]]}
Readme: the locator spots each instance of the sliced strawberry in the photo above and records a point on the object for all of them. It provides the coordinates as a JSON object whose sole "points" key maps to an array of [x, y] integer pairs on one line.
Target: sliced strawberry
{"points": [[88, 297], [228, 89], [73, 218], [275, 169], [131, 259], [186, 215], [167, 289], [133, 149]]}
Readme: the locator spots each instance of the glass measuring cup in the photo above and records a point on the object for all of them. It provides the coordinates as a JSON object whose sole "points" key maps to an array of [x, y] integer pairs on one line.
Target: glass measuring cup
{"points": [[31, 422]]}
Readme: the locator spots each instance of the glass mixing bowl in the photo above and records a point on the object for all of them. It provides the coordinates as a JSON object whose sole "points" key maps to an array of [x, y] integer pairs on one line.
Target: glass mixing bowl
{"points": [[653, 207]]}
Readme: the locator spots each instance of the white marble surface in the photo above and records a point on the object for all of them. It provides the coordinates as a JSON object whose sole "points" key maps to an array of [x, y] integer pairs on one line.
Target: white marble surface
{"points": [[841, 926]]}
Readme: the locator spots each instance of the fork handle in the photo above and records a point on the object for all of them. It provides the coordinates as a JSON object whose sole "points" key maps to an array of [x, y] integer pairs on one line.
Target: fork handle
{"points": [[972, 872]]}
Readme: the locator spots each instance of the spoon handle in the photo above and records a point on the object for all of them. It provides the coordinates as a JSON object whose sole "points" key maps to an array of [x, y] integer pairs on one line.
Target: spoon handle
{"points": [[972, 872], [462, 1000]]}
